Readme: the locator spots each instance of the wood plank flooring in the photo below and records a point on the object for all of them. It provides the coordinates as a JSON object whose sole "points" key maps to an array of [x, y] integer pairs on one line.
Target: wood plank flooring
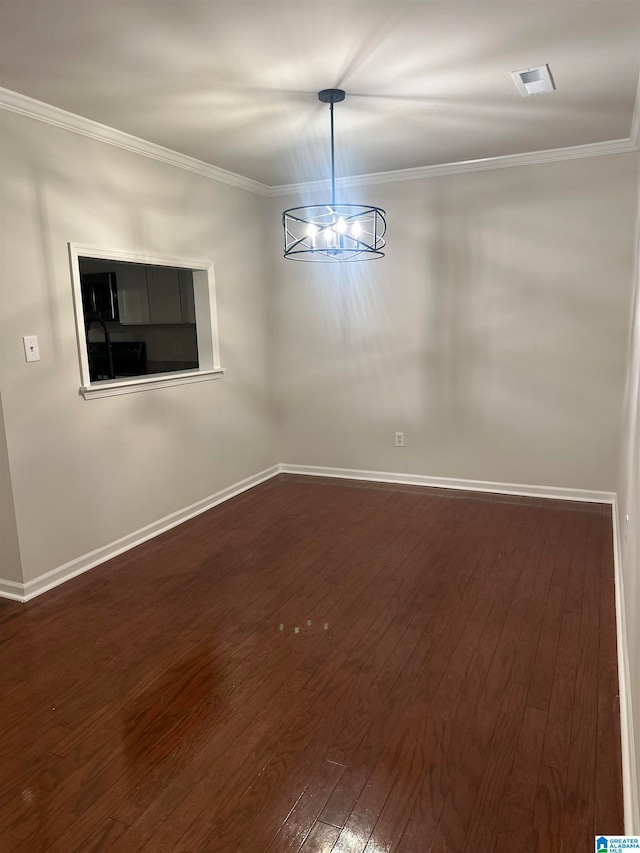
{"points": [[322, 665]]}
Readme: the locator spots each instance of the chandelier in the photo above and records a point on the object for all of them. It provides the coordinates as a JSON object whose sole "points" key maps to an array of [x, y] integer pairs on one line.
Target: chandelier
{"points": [[333, 232]]}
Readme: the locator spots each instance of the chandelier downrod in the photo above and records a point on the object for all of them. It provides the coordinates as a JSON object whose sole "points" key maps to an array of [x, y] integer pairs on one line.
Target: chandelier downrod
{"points": [[331, 97], [333, 163]]}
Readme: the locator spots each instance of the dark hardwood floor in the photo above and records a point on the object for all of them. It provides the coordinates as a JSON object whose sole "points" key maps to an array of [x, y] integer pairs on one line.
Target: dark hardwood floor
{"points": [[321, 665]]}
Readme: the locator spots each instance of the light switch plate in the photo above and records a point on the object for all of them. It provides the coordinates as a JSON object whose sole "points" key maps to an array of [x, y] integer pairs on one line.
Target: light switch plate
{"points": [[31, 348]]}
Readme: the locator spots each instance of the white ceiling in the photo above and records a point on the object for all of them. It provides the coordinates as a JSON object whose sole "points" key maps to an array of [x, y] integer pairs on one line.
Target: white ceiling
{"points": [[234, 83]]}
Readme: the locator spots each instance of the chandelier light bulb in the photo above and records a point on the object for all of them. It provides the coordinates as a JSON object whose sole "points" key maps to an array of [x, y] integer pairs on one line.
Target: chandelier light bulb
{"points": [[356, 229], [341, 226]]}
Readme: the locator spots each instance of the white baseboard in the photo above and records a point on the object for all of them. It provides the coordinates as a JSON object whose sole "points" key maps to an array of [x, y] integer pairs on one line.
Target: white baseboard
{"points": [[25, 592], [11, 590], [629, 770], [555, 492]]}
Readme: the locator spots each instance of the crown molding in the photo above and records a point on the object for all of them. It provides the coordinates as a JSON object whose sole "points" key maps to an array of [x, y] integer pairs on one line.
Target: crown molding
{"points": [[530, 158], [17, 103], [23, 105]]}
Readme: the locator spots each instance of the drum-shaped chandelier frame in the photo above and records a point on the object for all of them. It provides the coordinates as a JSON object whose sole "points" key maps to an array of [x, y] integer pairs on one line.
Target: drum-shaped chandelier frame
{"points": [[334, 232]]}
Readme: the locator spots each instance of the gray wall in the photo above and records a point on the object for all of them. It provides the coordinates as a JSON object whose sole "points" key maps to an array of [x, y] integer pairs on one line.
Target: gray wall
{"points": [[493, 333], [10, 567], [629, 504], [85, 473]]}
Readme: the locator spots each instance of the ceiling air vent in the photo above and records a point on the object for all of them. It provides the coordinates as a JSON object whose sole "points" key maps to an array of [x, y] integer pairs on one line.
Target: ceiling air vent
{"points": [[533, 81]]}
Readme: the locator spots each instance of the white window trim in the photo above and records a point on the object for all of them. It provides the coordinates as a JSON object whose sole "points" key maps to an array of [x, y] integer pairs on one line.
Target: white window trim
{"points": [[206, 323]]}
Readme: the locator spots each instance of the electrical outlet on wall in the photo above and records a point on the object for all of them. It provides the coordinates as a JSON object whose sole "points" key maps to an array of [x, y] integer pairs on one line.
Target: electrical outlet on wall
{"points": [[399, 439], [31, 348]]}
